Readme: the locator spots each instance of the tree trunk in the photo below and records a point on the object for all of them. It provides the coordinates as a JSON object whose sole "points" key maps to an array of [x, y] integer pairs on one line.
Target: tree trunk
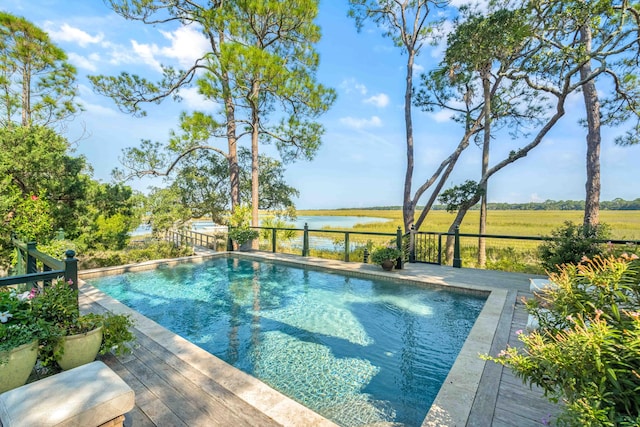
{"points": [[26, 96], [408, 207], [232, 141], [486, 85], [232, 157], [451, 238], [255, 172], [592, 106]]}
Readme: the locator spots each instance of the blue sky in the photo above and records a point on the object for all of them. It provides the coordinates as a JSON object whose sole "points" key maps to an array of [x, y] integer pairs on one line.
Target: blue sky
{"points": [[362, 159]]}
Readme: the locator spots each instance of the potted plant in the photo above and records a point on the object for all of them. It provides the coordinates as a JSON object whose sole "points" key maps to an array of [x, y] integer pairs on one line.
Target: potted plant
{"points": [[386, 256], [77, 339], [20, 333], [242, 235], [240, 230]]}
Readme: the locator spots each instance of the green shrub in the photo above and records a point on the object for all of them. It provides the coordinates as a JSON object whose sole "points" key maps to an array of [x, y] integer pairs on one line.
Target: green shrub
{"points": [[586, 352], [571, 243], [379, 255]]}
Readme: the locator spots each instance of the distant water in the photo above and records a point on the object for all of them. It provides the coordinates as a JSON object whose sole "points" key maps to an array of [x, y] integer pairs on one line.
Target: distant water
{"points": [[313, 222]]}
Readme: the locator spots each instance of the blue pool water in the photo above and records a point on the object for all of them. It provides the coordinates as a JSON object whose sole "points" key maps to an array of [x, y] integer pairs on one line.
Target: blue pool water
{"points": [[357, 351]]}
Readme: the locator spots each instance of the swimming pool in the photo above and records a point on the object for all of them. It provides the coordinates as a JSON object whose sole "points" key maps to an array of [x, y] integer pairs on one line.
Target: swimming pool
{"points": [[355, 350]]}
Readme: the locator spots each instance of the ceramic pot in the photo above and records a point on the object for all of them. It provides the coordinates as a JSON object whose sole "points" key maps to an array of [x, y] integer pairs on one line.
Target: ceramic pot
{"points": [[387, 264], [16, 365], [80, 349]]}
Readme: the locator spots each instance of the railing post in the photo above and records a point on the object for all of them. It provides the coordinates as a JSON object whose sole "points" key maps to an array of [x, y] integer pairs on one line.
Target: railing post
{"points": [[412, 244], [439, 248], [60, 234], [305, 240], [273, 240], [457, 262], [346, 247], [399, 245], [366, 256], [20, 261], [71, 269], [31, 260]]}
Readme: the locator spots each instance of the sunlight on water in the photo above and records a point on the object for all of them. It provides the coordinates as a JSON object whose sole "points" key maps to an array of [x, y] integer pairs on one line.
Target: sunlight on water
{"points": [[320, 312]]}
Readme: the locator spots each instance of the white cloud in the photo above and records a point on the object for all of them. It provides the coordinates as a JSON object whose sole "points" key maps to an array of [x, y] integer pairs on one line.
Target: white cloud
{"points": [[534, 197], [67, 33], [380, 100], [354, 123], [187, 45], [351, 85], [88, 63], [147, 52], [98, 110], [196, 101], [442, 116]]}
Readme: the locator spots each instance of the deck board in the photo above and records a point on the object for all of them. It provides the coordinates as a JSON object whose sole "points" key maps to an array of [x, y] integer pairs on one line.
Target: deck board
{"points": [[518, 404]]}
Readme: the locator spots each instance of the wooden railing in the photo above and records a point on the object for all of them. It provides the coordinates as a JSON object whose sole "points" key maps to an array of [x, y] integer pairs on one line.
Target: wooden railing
{"points": [[35, 266]]}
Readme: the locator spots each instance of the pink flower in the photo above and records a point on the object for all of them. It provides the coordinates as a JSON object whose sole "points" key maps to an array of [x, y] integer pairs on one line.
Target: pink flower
{"points": [[34, 197], [519, 332]]}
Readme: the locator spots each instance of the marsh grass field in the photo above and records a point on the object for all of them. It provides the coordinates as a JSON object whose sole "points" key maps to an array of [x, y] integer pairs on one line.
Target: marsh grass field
{"points": [[624, 225], [502, 253]]}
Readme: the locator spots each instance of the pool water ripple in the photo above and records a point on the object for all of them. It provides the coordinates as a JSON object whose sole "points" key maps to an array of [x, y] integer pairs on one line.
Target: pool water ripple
{"points": [[355, 350]]}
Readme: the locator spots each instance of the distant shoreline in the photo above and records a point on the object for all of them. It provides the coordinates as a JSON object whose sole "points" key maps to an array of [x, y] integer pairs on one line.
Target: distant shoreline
{"points": [[548, 205]]}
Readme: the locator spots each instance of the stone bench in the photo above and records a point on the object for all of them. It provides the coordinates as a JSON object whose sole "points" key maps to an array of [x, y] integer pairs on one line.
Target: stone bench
{"points": [[87, 396]]}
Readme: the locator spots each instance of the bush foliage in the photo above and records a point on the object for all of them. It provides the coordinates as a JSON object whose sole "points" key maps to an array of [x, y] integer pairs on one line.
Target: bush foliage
{"points": [[586, 352], [571, 244]]}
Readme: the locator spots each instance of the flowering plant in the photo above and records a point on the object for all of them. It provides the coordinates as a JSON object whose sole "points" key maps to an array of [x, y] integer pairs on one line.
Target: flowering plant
{"points": [[18, 326], [380, 255]]}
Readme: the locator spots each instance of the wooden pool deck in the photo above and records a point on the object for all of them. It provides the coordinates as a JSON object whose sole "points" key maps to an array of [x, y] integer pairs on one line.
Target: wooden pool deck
{"points": [[177, 384]]}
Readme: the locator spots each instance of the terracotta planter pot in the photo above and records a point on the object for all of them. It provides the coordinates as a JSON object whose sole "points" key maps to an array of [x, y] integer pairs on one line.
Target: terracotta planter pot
{"points": [[387, 264], [16, 365], [80, 349]]}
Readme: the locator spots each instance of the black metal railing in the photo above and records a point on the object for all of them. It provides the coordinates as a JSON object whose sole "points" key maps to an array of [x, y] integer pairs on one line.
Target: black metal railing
{"points": [[34, 266], [349, 245], [503, 252], [514, 253]]}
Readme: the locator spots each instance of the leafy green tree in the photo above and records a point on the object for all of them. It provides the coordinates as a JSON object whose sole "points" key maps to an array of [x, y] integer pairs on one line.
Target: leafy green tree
{"points": [[274, 74], [473, 48], [166, 210], [111, 215], [37, 84], [409, 25], [261, 62], [35, 161], [596, 44], [201, 188], [274, 193], [200, 129]]}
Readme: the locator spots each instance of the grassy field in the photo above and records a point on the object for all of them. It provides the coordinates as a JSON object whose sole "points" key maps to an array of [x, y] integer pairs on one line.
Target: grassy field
{"points": [[624, 224]]}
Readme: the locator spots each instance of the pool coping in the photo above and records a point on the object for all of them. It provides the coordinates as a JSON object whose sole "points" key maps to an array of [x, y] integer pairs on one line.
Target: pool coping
{"points": [[452, 405]]}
